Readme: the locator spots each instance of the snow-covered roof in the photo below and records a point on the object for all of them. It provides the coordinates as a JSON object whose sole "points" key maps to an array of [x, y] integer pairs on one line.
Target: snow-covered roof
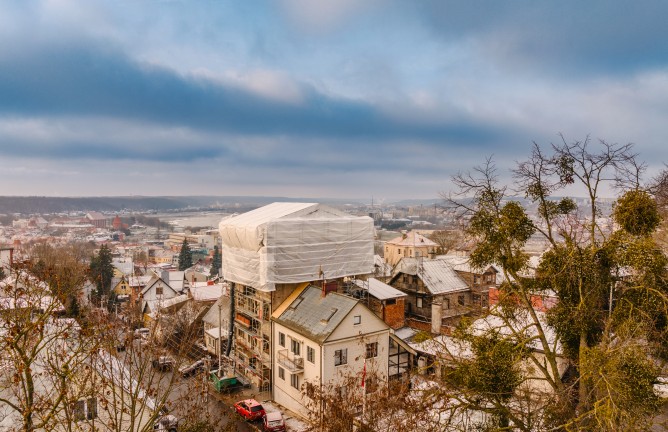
{"points": [[521, 322], [442, 346], [378, 289], [154, 305], [206, 292], [463, 264], [221, 305], [123, 265], [412, 239]]}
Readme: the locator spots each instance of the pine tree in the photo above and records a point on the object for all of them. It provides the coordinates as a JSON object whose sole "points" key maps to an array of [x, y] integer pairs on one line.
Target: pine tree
{"points": [[185, 256], [216, 263], [102, 271]]}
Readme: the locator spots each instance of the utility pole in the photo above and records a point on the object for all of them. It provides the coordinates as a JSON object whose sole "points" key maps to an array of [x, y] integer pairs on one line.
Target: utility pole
{"points": [[220, 338]]}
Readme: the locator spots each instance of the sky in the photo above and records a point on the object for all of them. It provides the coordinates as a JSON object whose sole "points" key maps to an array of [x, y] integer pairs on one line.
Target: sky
{"points": [[324, 99]]}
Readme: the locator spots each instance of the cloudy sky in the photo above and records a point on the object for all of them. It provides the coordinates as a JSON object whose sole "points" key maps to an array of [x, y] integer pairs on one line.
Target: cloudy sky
{"points": [[307, 98]]}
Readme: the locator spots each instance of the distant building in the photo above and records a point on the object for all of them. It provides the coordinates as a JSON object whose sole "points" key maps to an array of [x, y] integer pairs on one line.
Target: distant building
{"points": [[411, 245], [98, 220], [6, 258]]}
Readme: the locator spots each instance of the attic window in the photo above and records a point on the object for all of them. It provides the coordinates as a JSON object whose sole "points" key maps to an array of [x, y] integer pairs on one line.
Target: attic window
{"points": [[331, 314]]}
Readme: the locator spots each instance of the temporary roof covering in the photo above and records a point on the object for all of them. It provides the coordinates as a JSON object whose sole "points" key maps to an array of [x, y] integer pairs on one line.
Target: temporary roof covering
{"points": [[295, 243]]}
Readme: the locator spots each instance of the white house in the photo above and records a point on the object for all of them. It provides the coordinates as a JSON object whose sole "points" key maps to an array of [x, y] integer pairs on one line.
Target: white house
{"points": [[155, 294], [217, 324], [325, 340]]}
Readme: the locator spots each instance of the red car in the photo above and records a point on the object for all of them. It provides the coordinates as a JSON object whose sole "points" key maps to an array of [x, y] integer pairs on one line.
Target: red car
{"points": [[249, 409], [273, 422]]}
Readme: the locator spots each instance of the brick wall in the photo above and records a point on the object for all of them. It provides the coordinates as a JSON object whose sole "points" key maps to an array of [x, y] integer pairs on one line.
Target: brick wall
{"points": [[394, 314]]}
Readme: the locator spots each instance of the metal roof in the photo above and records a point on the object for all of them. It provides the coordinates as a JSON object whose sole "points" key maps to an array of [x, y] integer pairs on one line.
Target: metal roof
{"points": [[315, 316], [438, 275]]}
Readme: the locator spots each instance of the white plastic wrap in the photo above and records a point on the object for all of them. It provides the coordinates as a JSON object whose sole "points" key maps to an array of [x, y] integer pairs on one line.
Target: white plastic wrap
{"points": [[293, 243]]}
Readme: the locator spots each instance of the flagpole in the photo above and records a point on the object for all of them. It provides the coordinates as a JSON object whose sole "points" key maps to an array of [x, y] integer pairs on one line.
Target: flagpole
{"points": [[364, 391]]}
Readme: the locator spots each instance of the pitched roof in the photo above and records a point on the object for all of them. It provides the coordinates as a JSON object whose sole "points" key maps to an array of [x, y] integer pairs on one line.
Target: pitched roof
{"points": [[222, 306], [95, 216], [437, 275], [206, 292], [314, 316], [463, 264], [412, 239]]}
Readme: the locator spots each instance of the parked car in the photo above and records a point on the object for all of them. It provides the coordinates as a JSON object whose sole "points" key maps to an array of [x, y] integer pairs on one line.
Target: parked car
{"points": [[163, 363], [166, 423], [249, 409], [191, 369], [273, 422], [121, 343]]}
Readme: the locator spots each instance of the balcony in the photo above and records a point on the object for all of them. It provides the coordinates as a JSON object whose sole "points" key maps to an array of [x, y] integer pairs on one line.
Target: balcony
{"points": [[290, 361]]}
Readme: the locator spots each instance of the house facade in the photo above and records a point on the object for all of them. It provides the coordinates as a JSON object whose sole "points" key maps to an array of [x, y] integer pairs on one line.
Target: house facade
{"points": [[326, 341], [410, 245], [437, 297]]}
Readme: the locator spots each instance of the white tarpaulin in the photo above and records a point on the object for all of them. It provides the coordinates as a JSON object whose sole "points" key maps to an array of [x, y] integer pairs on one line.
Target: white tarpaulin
{"points": [[293, 243]]}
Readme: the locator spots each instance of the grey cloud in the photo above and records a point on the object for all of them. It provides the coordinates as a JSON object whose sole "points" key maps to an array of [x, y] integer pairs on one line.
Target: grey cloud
{"points": [[566, 37], [91, 81]]}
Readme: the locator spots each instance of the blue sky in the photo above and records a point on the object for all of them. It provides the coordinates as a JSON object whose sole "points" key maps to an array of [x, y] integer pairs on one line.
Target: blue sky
{"points": [[307, 98]]}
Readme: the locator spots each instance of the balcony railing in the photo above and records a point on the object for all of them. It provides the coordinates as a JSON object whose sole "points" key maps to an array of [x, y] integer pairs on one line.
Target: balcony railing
{"points": [[290, 361]]}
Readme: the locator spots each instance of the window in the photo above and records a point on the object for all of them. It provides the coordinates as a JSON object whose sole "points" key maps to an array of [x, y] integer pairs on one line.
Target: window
{"points": [[281, 339], [295, 346], [294, 381], [399, 251], [341, 357], [460, 300], [281, 373], [85, 409], [476, 280], [158, 290], [446, 303], [357, 319], [371, 350], [419, 302], [310, 354], [390, 301]]}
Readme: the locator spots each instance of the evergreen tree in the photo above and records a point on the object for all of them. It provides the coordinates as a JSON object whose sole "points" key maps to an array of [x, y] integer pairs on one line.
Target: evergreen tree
{"points": [[185, 256], [216, 263], [102, 271]]}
